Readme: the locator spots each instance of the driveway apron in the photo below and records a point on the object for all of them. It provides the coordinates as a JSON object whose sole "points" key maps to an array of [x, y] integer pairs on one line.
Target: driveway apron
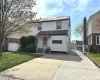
{"points": [[81, 69], [54, 66]]}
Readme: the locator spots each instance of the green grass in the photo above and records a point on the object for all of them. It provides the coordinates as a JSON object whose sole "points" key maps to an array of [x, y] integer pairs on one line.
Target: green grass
{"points": [[11, 59], [95, 57]]}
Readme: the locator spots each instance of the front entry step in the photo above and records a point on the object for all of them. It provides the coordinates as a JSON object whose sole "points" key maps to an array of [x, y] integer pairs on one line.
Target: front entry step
{"points": [[39, 50]]}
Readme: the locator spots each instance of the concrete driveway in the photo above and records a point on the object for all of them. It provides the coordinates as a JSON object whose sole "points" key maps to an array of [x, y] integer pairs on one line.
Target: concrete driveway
{"points": [[55, 66]]}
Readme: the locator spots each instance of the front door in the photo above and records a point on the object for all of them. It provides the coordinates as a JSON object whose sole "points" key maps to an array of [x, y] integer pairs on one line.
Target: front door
{"points": [[44, 42]]}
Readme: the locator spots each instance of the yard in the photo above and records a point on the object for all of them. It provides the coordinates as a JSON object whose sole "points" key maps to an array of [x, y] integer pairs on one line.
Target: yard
{"points": [[11, 59], [95, 57]]}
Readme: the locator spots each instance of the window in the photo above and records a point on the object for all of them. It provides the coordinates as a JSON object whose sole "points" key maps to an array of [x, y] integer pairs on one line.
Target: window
{"points": [[40, 26], [57, 41], [97, 40], [58, 24]]}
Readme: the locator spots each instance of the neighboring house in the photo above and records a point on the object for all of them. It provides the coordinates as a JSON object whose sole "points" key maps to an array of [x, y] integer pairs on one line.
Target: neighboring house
{"points": [[11, 43], [73, 44], [54, 33], [93, 31], [79, 45]]}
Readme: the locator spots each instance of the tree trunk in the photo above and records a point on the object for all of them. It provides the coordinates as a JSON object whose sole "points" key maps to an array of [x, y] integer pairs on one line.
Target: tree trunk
{"points": [[0, 49]]}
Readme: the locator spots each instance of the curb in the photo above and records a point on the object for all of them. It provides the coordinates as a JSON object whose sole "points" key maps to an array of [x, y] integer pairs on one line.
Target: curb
{"points": [[93, 61]]}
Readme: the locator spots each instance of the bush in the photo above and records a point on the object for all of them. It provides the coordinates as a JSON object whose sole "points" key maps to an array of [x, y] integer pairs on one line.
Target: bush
{"points": [[30, 48], [92, 49], [30, 40], [23, 42], [27, 44]]}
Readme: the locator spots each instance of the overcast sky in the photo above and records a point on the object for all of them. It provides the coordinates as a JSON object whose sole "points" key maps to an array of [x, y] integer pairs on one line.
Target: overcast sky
{"points": [[76, 9]]}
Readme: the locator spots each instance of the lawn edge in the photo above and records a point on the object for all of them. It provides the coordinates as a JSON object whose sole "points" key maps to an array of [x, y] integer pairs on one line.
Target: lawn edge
{"points": [[22, 63], [93, 61]]}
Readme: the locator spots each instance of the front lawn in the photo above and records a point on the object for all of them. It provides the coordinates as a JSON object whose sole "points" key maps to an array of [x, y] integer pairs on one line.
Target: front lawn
{"points": [[95, 57], [11, 59]]}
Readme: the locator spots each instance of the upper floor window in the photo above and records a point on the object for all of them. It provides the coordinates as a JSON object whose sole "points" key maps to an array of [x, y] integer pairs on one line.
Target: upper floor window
{"points": [[97, 40], [58, 25], [39, 26]]}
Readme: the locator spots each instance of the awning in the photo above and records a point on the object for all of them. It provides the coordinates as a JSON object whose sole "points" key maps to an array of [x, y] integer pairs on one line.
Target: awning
{"points": [[54, 32], [43, 35]]}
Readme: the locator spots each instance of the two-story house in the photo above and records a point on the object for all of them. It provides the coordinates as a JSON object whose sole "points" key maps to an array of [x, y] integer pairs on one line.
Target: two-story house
{"points": [[53, 33], [93, 31]]}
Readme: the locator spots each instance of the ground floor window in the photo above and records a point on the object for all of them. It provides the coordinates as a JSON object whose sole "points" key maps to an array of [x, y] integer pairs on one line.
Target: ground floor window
{"points": [[98, 40], [57, 41]]}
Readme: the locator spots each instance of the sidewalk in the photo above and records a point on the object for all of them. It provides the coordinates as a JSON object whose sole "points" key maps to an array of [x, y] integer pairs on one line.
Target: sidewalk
{"points": [[83, 70]]}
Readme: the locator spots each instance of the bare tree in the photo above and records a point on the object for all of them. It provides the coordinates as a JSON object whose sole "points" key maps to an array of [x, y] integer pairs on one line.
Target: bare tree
{"points": [[79, 30], [13, 15]]}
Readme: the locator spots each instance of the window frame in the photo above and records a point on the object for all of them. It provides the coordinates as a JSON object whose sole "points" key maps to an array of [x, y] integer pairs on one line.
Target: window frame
{"points": [[53, 42], [39, 26], [57, 24], [99, 39]]}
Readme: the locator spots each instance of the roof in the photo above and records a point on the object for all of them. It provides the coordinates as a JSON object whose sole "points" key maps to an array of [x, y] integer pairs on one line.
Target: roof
{"points": [[55, 32], [51, 19], [92, 16]]}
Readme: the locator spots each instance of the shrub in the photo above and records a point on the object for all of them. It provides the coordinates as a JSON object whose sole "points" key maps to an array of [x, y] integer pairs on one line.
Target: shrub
{"points": [[92, 49], [30, 40], [30, 48], [23, 42], [27, 44]]}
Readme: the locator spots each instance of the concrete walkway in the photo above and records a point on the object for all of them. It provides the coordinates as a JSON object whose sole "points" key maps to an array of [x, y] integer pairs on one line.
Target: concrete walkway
{"points": [[54, 67], [82, 70]]}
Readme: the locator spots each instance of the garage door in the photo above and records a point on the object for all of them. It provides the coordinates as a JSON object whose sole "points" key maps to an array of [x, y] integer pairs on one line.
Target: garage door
{"points": [[13, 46]]}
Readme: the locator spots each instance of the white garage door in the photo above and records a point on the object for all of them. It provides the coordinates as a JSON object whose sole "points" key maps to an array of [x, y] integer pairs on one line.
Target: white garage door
{"points": [[13, 46]]}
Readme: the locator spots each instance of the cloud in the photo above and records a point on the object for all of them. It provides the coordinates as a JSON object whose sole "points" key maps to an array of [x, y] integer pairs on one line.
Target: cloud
{"points": [[82, 5], [44, 11], [48, 8]]}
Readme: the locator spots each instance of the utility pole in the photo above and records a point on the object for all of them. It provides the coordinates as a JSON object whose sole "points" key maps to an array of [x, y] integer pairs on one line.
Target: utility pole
{"points": [[84, 35]]}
